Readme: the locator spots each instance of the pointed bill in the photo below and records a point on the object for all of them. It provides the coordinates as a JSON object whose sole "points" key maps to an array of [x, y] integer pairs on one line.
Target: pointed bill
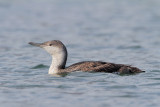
{"points": [[41, 45]]}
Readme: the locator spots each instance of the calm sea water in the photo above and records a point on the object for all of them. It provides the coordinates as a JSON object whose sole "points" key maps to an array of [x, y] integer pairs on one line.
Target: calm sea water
{"points": [[119, 31]]}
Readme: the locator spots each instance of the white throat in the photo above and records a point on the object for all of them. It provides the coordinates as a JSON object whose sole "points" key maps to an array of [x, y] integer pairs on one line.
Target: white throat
{"points": [[58, 63]]}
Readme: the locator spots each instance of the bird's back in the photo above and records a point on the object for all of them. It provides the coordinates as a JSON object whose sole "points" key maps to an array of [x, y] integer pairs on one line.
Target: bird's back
{"points": [[99, 66]]}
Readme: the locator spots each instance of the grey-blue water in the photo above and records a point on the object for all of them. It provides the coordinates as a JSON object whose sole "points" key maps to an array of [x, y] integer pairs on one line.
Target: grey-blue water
{"points": [[119, 31]]}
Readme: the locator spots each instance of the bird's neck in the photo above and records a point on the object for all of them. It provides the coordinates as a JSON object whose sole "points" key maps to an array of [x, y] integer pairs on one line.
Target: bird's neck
{"points": [[58, 64]]}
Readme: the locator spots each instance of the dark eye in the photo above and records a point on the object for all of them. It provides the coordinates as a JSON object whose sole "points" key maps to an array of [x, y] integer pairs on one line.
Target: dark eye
{"points": [[50, 44], [130, 71]]}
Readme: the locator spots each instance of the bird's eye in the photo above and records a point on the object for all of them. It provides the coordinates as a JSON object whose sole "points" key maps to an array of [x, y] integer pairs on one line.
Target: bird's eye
{"points": [[130, 71]]}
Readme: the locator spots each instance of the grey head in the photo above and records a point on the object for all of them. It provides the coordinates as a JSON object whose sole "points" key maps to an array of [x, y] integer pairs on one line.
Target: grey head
{"points": [[52, 47], [56, 49]]}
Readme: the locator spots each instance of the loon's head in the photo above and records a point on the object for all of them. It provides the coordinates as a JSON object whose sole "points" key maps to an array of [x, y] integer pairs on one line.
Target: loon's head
{"points": [[54, 47], [58, 52]]}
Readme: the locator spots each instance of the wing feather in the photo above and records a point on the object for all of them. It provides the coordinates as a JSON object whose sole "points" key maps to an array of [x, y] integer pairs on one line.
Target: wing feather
{"points": [[97, 66]]}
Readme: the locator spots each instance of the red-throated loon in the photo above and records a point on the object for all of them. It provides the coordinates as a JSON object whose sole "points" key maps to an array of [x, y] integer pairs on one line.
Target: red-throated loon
{"points": [[58, 52]]}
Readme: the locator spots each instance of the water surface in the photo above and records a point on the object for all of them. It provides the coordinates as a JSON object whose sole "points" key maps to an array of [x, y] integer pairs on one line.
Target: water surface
{"points": [[126, 31]]}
